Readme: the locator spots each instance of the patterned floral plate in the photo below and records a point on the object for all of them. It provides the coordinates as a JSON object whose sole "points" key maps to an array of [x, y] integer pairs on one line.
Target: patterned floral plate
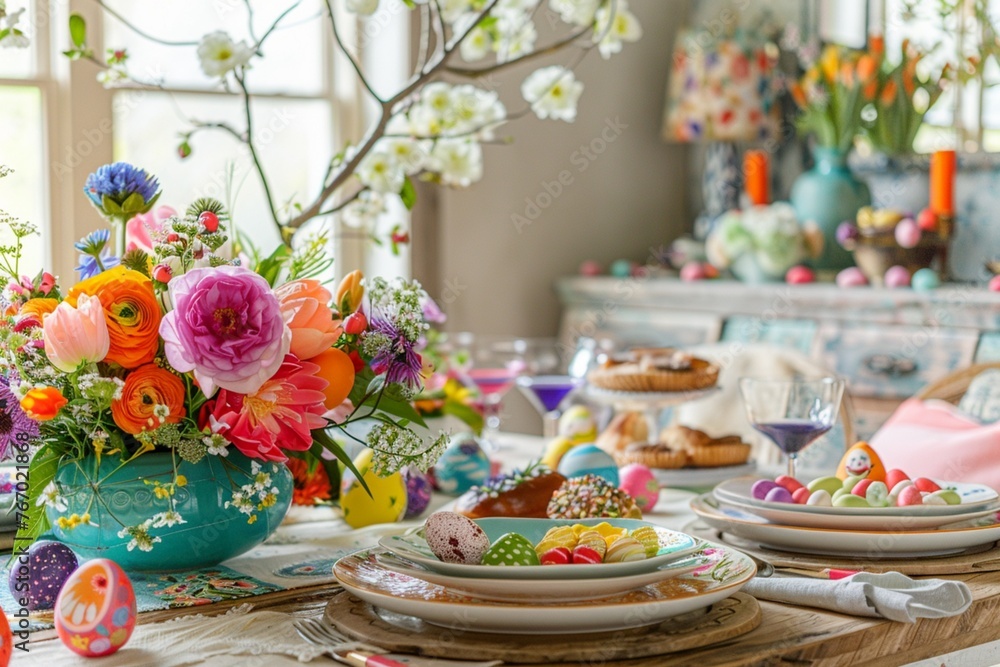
{"points": [[723, 573], [412, 546]]}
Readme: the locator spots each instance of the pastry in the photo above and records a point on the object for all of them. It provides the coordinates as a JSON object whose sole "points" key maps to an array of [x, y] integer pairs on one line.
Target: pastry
{"points": [[704, 451], [653, 455], [624, 429], [521, 493], [654, 370], [589, 497]]}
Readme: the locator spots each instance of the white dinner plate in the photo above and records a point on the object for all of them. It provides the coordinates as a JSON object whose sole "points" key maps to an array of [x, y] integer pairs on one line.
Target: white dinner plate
{"points": [[861, 544], [412, 546], [701, 477], [975, 497], [723, 574], [543, 591]]}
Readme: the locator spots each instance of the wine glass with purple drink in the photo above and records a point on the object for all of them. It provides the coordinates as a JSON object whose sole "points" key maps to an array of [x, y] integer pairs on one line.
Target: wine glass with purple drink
{"points": [[548, 379], [792, 413]]}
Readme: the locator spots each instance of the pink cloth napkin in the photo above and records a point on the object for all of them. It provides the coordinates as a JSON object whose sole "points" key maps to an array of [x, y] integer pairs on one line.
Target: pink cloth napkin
{"points": [[934, 439]]}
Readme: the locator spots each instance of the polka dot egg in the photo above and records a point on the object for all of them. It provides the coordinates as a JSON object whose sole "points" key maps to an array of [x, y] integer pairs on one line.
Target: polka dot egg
{"points": [[95, 611], [638, 481], [387, 502], [462, 466], [37, 576], [589, 460]]}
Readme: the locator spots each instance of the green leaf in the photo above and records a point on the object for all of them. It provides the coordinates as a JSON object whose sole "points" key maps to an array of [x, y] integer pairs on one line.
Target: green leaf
{"points": [[408, 194], [315, 455], [323, 440], [375, 384], [111, 207], [390, 402], [41, 471], [270, 267], [77, 30], [133, 204], [466, 413]]}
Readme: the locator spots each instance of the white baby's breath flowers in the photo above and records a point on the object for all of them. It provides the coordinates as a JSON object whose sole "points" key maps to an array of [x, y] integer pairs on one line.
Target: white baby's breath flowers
{"points": [[219, 54], [51, 498], [139, 536], [553, 92], [624, 27], [394, 448], [576, 12], [167, 519]]}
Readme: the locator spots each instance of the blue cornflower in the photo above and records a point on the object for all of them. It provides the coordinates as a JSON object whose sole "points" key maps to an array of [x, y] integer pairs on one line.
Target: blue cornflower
{"points": [[118, 182], [95, 256]]}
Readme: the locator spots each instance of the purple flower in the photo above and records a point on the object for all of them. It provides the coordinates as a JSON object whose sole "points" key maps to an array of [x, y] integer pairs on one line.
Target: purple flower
{"points": [[119, 181], [394, 355], [16, 429], [432, 313], [227, 327]]}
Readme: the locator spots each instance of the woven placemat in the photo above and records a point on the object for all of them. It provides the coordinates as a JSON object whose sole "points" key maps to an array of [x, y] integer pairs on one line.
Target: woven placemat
{"points": [[984, 558], [726, 619]]}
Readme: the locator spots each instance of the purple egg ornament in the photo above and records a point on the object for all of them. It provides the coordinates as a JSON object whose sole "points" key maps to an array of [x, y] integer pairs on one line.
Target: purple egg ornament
{"points": [[38, 575], [418, 491]]}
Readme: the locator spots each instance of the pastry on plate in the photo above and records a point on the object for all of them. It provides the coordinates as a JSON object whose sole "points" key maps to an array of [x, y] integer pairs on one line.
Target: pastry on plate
{"points": [[521, 493], [654, 370], [624, 429], [704, 451], [653, 455]]}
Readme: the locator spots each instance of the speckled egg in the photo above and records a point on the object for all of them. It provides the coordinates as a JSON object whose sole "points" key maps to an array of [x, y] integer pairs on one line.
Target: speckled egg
{"points": [[455, 538], [852, 277], [387, 502], [577, 425], [638, 481], [95, 611], [589, 460], [800, 275], [37, 576], [925, 280], [462, 466], [897, 276], [6, 641], [418, 491], [908, 233]]}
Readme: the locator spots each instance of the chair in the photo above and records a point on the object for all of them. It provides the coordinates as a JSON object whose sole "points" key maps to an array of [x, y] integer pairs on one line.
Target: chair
{"points": [[952, 387]]}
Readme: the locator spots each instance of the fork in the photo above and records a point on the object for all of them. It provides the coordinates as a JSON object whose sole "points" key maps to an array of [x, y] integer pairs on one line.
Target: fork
{"points": [[320, 634]]}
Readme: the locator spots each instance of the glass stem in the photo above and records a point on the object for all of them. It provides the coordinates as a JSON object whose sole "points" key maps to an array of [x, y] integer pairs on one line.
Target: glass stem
{"points": [[491, 419], [791, 465], [550, 423]]}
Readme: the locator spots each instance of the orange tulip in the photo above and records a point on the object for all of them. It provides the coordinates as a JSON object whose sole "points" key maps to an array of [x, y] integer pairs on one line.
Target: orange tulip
{"points": [[889, 92], [909, 77], [847, 74], [43, 403], [349, 293], [799, 95], [38, 307], [867, 68], [876, 44], [871, 89], [132, 313], [304, 304], [336, 367], [152, 396]]}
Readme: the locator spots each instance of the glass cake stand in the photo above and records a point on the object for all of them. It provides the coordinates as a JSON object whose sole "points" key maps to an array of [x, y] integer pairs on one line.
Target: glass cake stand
{"points": [[649, 403]]}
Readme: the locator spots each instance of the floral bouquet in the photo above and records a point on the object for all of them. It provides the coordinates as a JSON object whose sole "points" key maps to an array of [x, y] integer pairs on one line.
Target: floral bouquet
{"points": [[176, 348]]}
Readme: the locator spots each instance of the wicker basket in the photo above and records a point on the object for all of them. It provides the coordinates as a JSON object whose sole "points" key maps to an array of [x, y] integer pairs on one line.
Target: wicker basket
{"points": [[877, 252]]}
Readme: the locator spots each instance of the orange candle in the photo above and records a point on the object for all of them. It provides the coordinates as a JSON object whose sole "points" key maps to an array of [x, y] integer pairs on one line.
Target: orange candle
{"points": [[757, 177], [943, 167]]}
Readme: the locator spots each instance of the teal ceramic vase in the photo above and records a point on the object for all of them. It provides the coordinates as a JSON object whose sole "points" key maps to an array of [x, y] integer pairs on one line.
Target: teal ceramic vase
{"points": [[117, 496], [828, 194]]}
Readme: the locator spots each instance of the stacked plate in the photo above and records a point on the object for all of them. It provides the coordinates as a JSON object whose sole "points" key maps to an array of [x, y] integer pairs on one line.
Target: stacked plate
{"points": [[869, 532], [402, 575]]}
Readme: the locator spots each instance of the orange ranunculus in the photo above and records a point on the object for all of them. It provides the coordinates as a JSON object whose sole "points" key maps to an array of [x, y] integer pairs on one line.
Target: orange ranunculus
{"points": [[152, 396], [336, 367], [38, 307], [43, 403], [305, 307], [349, 293], [132, 313]]}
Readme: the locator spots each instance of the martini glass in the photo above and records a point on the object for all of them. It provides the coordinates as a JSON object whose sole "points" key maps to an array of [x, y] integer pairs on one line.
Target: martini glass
{"points": [[547, 381], [792, 413], [492, 365]]}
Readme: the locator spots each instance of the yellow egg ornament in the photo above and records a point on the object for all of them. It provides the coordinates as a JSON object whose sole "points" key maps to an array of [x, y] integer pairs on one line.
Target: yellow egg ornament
{"points": [[387, 503], [861, 461], [556, 449], [578, 426]]}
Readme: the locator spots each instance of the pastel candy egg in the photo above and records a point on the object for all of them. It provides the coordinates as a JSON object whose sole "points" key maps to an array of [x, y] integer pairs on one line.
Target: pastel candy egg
{"points": [[587, 555], [621, 268], [638, 481], [455, 538], [387, 502], [511, 550], [861, 487], [909, 496], [894, 477], [820, 498], [908, 233], [556, 556], [846, 233], [761, 487], [850, 500], [589, 460], [590, 267], [861, 461], [927, 220], [926, 485], [850, 482], [829, 484], [6, 641], [994, 284], [896, 490], [779, 495], [839, 493], [925, 280], [801, 495], [877, 494], [800, 275], [462, 466], [949, 496], [852, 277], [577, 425], [38, 575], [693, 271], [95, 611], [789, 483], [897, 276], [933, 499], [418, 491]]}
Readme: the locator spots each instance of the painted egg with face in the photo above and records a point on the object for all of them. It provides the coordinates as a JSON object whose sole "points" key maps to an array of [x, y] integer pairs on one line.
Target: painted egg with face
{"points": [[861, 461], [6, 641], [387, 502], [589, 460], [418, 491], [577, 425], [38, 575], [639, 482], [462, 466], [95, 611]]}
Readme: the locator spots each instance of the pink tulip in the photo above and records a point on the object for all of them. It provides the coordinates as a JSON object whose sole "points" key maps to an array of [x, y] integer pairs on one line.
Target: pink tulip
{"points": [[140, 230], [48, 282], [76, 336]]}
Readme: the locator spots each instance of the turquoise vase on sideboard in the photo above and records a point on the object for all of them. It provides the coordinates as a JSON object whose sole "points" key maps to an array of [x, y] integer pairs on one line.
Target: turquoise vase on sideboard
{"points": [[828, 194], [117, 495]]}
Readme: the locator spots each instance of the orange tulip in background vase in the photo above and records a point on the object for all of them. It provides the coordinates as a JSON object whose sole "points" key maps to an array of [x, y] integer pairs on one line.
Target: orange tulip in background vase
{"points": [[757, 177], [943, 167]]}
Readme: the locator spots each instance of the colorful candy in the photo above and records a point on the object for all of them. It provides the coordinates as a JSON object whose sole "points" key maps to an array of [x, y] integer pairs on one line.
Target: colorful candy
{"points": [[625, 550], [556, 537], [555, 556], [647, 537], [587, 555], [926, 485]]}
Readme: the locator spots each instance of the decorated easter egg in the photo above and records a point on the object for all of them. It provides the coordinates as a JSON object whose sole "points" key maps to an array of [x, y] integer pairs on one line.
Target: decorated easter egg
{"points": [[418, 491], [455, 538], [800, 275], [38, 575], [846, 233], [908, 233], [6, 641], [511, 550], [693, 271], [462, 466], [555, 450], [577, 425], [638, 481], [994, 284], [95, 611], [852, 277], [897, 276], [927, 220], [556, 556], [387, 502], [591, 268], [861, 461], [621, 268], [761, 487], [925, 280], [589, 460]]}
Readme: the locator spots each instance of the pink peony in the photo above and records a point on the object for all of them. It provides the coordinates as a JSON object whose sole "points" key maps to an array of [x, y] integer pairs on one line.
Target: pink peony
{"points": [[279, 415], [226, 327], [139, 231], [76, 336], [305, 304]]}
